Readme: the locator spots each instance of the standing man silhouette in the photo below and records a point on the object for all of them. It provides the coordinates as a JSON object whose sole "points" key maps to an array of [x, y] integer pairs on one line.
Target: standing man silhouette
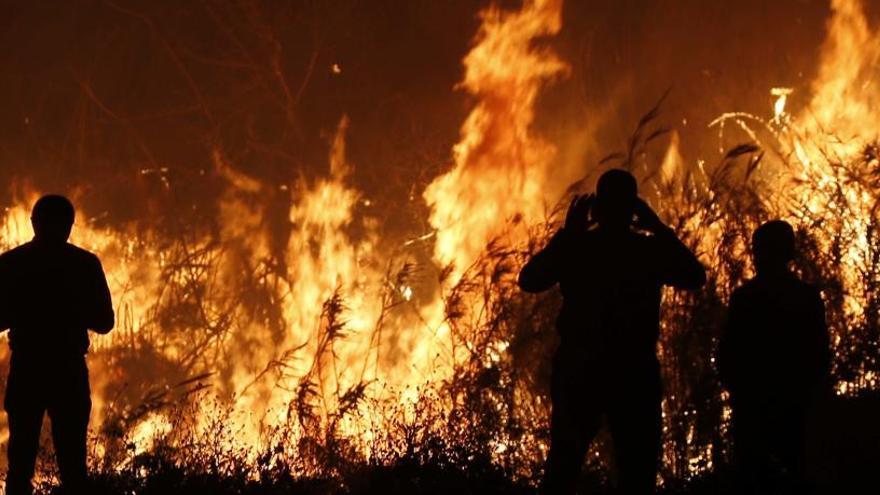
{"points": [[51, 294], [606, 364], [774, 359]]}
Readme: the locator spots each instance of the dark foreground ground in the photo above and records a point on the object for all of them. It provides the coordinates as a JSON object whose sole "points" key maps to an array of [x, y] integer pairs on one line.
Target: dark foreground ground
{"points": [[406, 479], [843, 457]]}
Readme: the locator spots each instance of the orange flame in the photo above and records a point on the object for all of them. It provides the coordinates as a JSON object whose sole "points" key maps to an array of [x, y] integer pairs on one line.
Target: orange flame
{"points": [[501, 168]]}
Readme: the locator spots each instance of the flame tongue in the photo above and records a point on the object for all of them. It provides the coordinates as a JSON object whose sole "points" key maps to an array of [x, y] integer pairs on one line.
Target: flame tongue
{"points": [[500, 167], [846, 100], [829, 137]]}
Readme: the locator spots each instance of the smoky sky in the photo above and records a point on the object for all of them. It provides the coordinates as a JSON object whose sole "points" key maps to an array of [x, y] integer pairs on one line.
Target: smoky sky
{"points": [[124, 101]]}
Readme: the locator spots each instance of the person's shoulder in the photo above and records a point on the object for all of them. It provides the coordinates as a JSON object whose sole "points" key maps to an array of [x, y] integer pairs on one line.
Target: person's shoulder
{"points": [[81, 254], [17, 252]]}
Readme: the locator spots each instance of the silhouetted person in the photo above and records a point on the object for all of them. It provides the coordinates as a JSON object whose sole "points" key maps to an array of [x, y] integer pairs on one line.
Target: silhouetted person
{"points": [[51, 294], [774, 360], [606, 364]]}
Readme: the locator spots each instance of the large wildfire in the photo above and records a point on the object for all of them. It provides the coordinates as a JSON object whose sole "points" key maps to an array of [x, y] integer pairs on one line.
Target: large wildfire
{"points": [[231, 333]]}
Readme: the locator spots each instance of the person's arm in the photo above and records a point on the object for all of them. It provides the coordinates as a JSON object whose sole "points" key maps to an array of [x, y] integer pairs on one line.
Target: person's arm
{"points": [[680, 268], [728, 356], [543, 270], [819, 340], [676, 264], [101, 319], [5, 303]]}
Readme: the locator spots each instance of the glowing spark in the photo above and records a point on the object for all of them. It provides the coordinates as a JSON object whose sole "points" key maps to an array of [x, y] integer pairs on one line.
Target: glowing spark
{"points": [[407, 292], [779, 106]]}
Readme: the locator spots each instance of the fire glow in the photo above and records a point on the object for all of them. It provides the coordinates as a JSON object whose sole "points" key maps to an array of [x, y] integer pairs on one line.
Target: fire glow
{"points": [[335, 334]]}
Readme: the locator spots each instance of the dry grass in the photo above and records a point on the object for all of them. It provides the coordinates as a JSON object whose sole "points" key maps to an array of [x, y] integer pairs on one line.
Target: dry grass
{"points": [[483, 430]]}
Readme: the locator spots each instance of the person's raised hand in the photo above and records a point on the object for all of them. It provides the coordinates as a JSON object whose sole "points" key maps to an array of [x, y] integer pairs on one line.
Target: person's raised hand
{"points": [[646, 219], [578, 216]]}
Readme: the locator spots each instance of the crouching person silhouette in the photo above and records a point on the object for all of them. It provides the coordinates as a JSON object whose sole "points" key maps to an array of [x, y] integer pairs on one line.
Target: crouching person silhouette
{"points": [[51, 294], [610, 276], [774, 359]]}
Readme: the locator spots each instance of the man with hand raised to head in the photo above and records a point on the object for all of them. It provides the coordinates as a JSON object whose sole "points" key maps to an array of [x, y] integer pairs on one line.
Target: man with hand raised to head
{"points": [[51, 294], [610, 259]]}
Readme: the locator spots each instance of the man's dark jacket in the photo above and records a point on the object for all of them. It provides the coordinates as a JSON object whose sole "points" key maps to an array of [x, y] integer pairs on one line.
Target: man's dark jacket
{"points": [[51, 294], [611, 286]]}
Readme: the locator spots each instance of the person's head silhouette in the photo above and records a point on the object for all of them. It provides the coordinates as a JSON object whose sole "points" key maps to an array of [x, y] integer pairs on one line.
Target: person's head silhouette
{"points": [[52, 218], [616, 193], [773, 247]]}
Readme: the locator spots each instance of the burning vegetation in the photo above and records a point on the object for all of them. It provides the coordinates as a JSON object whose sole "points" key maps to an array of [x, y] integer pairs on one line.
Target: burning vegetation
{"points": [[278, 339]]}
